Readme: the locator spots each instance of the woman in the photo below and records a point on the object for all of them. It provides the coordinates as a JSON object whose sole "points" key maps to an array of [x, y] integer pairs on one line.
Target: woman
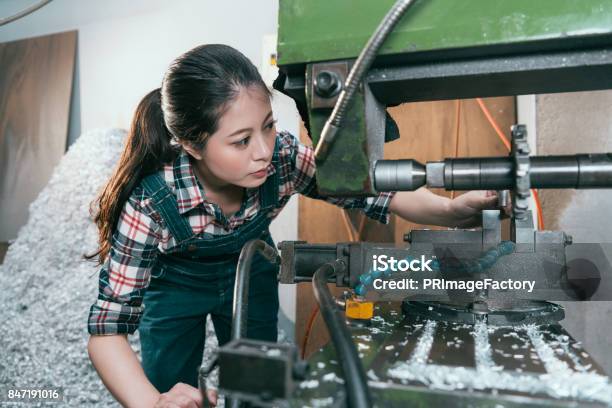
{"points": [[204, 171]]}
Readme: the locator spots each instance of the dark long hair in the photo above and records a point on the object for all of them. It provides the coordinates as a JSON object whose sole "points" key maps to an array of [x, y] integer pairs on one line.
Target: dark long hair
{"points": [[196, 90]]}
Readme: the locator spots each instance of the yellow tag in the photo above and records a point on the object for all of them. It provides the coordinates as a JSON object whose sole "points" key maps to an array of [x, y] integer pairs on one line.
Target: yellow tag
{"points": [[359, 309]]}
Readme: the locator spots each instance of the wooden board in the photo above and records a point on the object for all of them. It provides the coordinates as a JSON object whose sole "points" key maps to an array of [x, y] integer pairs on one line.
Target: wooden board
{"points": [[429, 131], [35, 88]]}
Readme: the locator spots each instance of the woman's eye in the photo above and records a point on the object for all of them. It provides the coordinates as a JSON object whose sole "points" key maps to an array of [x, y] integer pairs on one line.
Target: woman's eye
{"points": [[243, 142], [271, 124]]}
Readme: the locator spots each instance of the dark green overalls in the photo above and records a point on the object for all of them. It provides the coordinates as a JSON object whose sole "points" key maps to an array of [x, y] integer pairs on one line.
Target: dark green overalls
{"points": [[196, 279]]}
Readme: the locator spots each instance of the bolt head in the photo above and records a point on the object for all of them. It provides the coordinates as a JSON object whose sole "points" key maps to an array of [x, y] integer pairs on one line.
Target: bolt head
{"points": [[327, 84]]}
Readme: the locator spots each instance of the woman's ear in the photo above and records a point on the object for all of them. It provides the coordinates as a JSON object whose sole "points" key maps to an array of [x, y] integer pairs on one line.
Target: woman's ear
{"points": [[192, 150]]}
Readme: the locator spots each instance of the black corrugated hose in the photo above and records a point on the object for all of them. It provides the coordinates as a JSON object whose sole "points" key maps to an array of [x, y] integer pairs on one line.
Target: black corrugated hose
{"points": [[358, 393]]}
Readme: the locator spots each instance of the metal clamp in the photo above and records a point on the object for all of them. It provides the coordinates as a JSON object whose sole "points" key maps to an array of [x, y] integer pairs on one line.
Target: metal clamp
{"points": [[522, 184]]}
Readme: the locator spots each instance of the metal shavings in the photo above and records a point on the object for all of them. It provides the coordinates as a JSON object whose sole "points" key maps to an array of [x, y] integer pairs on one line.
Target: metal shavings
{"points": [[321, 402], [423, 347], [482, 348], [362, 346], [332, 377], [47, 287], [309, 384], [560, 381]]}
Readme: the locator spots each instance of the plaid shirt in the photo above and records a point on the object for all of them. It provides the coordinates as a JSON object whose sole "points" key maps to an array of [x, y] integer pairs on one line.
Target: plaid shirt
{"points": [[141, 234]]}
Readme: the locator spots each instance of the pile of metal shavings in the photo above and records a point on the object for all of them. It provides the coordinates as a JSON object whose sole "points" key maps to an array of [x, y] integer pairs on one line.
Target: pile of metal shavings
{"points": [[559, 381], [46, 288]]}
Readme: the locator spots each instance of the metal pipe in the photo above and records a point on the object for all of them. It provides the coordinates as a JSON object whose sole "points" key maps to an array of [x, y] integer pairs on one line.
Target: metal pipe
{"points": [[463, 174], [356, 383], [361, 66], [579, 171], [241, 287], [398, 175]]}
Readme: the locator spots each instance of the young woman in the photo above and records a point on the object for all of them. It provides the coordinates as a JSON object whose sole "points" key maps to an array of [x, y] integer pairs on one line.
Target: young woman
{"points": [[204, 171]]}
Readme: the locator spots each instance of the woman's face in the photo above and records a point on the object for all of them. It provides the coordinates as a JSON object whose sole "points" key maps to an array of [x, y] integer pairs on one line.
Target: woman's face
{"points": [[241, 149]]}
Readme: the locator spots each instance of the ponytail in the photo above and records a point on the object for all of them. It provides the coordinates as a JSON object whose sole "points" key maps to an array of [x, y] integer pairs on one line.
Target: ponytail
{"points": [[147, 149]]}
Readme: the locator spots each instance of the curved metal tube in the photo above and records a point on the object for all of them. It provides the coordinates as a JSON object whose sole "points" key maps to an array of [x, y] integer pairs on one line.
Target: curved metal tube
{"points": [[23, 12], [357, 390], [241, 287], [361, 66]]}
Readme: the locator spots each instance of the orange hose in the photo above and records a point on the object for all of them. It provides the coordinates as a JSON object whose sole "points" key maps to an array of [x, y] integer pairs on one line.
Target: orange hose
{"points": [[539, 207], [493, 123], [501, 136], [311, 319]]}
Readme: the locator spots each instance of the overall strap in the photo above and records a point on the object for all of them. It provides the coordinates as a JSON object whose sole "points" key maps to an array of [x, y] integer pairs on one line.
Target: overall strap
{"points": [[164, 201]]}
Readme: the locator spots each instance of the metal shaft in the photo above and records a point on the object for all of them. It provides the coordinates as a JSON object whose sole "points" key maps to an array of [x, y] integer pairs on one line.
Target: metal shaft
{"points": [[581, 171]]}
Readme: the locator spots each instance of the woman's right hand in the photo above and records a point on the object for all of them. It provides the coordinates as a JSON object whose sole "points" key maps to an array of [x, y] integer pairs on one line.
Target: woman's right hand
{"points": [[180, 396]]}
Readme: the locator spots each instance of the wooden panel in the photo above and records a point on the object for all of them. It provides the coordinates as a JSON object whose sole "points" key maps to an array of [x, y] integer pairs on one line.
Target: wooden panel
{"points": [[35, 88], [430, 131]]}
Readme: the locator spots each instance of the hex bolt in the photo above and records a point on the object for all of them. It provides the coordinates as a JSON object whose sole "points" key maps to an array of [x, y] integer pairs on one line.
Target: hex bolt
{"points": [[327, 84]]}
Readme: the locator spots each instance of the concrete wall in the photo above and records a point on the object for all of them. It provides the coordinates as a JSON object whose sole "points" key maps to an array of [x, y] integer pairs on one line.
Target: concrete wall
{"points": [[580, 123], [124, 48]]}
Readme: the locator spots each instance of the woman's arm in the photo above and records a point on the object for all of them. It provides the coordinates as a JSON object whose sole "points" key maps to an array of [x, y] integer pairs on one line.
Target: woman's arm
{"points": [[424, 207], [120, 371], [122, 284]]}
